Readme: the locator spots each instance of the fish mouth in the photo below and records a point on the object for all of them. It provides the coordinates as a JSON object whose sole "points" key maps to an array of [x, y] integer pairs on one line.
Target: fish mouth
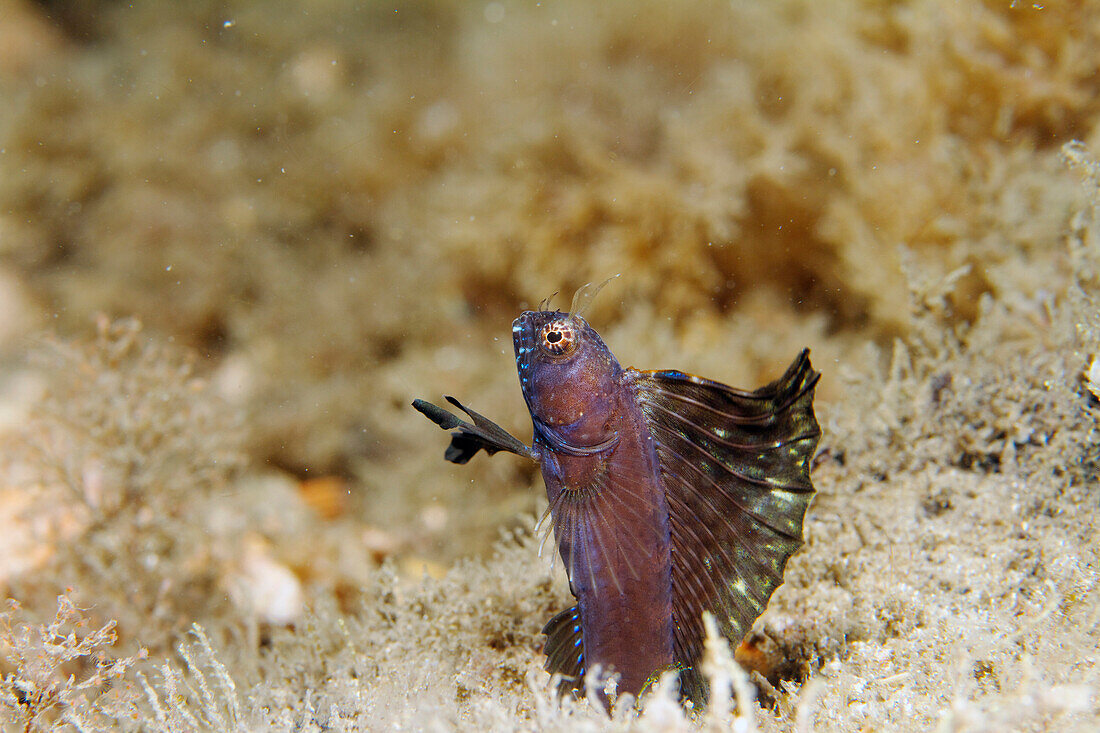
{"points": [[523, 341]]}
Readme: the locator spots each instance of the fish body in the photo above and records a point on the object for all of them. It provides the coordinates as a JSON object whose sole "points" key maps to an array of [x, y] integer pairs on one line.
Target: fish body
{"points": [[669, 495], [606, 497]]}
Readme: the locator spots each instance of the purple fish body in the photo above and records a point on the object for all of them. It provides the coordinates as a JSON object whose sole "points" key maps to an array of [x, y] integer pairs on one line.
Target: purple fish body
{"points": [[669, 495]]}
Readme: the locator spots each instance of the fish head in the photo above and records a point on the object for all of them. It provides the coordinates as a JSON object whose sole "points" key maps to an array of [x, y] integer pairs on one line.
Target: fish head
{"points": [[568, 375]]}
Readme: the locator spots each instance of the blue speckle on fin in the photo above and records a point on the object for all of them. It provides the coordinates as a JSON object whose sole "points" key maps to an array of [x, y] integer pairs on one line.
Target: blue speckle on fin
{"points": [[564, 648]]}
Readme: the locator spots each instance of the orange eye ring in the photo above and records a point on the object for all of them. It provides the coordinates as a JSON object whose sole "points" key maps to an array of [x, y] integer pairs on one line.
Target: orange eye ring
{"points": [[558, 338]]}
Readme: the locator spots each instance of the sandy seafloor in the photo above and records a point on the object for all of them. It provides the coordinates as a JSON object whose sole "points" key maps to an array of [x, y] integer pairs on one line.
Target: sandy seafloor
{"points": [[237, 239]]}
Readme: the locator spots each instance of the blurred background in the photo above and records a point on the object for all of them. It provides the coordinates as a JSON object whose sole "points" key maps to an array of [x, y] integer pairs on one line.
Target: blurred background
{"points": [[268, 226]]}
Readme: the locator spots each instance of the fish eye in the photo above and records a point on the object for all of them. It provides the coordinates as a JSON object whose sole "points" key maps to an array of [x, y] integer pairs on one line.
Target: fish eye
{"points": [[558, 338]]}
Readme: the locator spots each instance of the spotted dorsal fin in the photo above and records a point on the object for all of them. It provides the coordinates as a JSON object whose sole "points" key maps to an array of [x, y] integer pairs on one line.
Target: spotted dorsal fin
{"points": [[736, 469]]}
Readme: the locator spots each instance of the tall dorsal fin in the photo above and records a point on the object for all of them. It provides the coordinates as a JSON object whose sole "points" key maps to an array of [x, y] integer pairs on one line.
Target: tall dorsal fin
{"points": [[736, 468]]}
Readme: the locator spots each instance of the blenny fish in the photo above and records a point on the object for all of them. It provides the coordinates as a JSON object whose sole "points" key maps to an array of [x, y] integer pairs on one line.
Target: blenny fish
{"points": [[669, 495]]}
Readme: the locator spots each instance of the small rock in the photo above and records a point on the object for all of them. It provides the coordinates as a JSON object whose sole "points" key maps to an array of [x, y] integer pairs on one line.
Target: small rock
{"points": [[265, 587]]}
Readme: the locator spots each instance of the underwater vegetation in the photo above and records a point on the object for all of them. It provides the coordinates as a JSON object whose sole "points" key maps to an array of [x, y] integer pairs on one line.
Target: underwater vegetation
{"points": [[236, 238]]}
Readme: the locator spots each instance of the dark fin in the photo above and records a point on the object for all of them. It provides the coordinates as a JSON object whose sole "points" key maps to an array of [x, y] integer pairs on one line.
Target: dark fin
{"points": [[564, 649], [467, 440], [694, 687], [736, 467]]}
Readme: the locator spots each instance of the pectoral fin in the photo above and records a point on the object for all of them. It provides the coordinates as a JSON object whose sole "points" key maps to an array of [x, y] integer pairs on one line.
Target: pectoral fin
{"points": [[468, 439]]}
